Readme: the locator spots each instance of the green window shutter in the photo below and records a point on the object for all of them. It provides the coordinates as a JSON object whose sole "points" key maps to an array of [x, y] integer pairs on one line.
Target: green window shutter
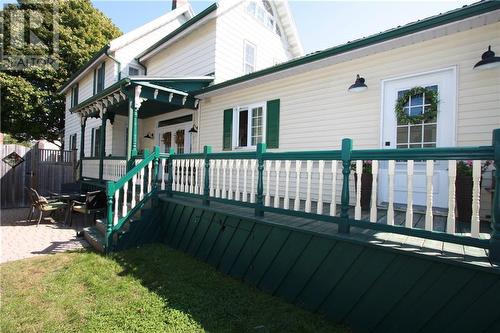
{"points": [[227, 138], [273, 124]]}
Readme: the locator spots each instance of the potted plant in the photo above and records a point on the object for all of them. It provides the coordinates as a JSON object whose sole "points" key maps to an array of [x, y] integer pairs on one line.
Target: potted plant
{"points": [[366, 183], [463, 189]]}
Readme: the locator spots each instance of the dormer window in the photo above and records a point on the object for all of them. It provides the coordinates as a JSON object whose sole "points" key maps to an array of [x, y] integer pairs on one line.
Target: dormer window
{"points": [[263, 12]]}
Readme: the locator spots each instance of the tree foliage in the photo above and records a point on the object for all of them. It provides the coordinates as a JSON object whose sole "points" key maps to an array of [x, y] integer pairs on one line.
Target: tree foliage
{"points": [[70, 32]]}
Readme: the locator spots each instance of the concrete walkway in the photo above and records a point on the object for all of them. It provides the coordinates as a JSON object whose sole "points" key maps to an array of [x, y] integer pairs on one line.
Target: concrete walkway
{"points": [[20, 239]]}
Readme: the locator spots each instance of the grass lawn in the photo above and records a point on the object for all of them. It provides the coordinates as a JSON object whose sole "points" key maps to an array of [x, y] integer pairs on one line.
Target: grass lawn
{"points": [[151, 289]]}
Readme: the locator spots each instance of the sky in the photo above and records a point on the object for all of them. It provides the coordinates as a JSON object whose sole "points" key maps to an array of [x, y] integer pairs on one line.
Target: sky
{"points": [[321, 24]]}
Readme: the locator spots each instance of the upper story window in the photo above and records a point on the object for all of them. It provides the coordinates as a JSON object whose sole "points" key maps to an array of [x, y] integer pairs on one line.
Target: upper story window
{"points": [[74, 95], [263, 12], [99, 75], [133, 71], [248, 57]]}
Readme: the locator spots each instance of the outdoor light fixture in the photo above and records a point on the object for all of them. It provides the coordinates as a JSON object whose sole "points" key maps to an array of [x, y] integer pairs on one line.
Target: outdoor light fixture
{"points": [[359, 85], [193, 129], [488, 60], [148, 136]]}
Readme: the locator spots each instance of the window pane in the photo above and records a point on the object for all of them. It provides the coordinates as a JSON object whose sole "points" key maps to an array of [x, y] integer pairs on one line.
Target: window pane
{"points": [[418, 145], [133, 71], [402, 136], [431, 120], [416, 110], [249, 54], [416, 134], [430, 145], [256, 126], [430, 133], [416, 99], [402, 146], [243, 128]]}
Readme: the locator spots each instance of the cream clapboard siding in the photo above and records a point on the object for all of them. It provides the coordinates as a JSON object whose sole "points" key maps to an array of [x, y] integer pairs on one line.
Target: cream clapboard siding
{"points": [[191, 55], [234, 26], [317, 111], [85, 91]]}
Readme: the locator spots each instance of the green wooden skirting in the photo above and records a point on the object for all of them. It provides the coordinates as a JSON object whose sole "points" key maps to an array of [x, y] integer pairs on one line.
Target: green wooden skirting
{"points": [[367, 286]]}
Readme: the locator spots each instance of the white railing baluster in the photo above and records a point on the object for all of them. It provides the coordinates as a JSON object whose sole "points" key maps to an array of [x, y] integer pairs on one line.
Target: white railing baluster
{"points": [[237, 192], [212, 166], [125, 199], [373, 200], [230, 188], [390, 206], [134, 183], [321, 167], [428, 212], [309, 167], [224, 169], [286, 200], [268, 183], [298, 167], [245, 173], [359, 172], [409, 198], [162, 179], [333, 203], [196, 175], [199, 173], [476, 188], [252, 188], [141, 184], [150, 176], [452, 177], [217, 185], [183, 176], [191, 176], [115, 211], [277, 167], [174, 175]]}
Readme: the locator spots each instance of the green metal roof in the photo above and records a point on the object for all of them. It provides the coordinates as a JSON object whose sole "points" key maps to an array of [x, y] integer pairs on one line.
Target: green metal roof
{"points": [[180, 29], [414, 27]]}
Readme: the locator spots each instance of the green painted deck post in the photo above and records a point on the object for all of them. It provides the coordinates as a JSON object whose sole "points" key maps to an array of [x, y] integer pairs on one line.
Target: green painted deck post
{"points": [[206, 182], [259, 208], [170, 168], [110, 193], [495, 209], [102, 145], [144, 179], [346, 171], [156, 162], [82, 144]]}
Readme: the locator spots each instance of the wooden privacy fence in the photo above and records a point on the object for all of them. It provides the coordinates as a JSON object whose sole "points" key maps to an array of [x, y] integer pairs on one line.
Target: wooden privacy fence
{"points": [[42, 169]]}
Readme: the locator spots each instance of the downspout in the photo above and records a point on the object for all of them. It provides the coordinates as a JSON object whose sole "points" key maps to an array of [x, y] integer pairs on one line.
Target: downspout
{"points": [[142, 65], [117, 62]]}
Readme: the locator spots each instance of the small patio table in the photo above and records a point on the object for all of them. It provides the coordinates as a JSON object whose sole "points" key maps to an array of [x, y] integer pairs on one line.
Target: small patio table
{"points": [[67, 197]]}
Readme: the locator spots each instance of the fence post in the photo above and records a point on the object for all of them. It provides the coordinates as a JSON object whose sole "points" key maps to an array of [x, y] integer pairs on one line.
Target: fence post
{"points": [[156, 161], [259, 208], [110, 193], [495, 207], [346, 171], [206, 182], [170, 170]]}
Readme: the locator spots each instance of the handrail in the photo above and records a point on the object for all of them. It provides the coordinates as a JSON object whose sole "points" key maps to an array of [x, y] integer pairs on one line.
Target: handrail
{"points": [[113, 189]]}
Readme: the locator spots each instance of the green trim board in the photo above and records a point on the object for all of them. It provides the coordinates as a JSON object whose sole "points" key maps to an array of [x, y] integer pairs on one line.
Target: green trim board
{"points": [[180, 29], [368, 287], [411, 28]]}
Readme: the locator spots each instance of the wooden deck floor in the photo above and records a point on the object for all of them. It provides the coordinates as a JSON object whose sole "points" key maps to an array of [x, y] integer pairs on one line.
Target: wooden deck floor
{"points": [[439, 249]]}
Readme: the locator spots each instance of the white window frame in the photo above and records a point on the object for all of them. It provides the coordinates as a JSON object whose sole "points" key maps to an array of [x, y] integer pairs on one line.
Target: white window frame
{"points": [[264, 19], [236, 121], [245, 63]]}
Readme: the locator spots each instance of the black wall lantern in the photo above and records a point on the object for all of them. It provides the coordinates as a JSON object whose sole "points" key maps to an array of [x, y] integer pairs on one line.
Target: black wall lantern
{"points": [[359, 85], [149, 136], [488, 60]]}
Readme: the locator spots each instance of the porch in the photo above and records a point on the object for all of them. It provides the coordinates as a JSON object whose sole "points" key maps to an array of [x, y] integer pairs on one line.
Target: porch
{"points": [[129, 111]]}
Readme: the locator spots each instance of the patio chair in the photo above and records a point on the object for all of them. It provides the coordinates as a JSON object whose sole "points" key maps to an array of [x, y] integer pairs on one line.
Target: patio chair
{"points": [[43, 205], [95, 202]]}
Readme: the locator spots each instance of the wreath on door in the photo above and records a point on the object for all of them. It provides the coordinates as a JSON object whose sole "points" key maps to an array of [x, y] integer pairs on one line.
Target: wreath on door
{"points": [[179, 137], [167, 139], [430, 112]]}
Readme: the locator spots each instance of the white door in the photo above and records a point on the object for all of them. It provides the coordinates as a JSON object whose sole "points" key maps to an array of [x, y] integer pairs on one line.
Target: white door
{"points": [[439, 132], [174, 136]]}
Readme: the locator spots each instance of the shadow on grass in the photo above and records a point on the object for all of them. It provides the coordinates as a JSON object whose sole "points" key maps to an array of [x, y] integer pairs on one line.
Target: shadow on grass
{"points": [[217, 302]]}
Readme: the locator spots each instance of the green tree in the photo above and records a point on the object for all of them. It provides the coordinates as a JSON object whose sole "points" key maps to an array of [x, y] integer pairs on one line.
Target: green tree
{"points": [[30, 105]]}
